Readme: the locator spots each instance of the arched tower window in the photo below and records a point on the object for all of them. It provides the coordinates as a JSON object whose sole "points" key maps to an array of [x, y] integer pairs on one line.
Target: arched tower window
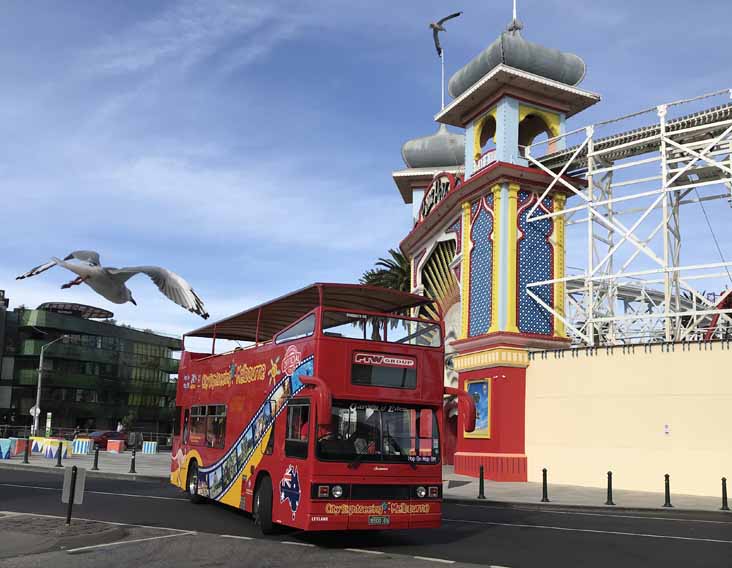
{"points": [[530, 128], [485, 133]]}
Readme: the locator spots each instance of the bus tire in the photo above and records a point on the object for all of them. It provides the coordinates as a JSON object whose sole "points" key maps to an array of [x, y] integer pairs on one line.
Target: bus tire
{"points": [[192, 483], [262, 507]]}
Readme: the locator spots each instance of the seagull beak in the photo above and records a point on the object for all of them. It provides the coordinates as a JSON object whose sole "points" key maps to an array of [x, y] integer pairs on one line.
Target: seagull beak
{"points": [[133, 300]]}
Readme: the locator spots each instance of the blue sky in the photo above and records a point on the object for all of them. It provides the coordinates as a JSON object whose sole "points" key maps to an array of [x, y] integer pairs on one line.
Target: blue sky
{"points": [[248, 146]]}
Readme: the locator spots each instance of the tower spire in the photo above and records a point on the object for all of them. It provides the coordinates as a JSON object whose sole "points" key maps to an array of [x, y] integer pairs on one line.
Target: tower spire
{"points": [[515, 24]]}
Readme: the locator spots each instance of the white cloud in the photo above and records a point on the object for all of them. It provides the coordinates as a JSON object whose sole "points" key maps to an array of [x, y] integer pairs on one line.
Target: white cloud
{"points": [[183, 35]]}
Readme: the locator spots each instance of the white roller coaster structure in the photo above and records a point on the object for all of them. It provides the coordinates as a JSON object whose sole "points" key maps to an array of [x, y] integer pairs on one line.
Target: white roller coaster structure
{"points": [[628, 190]]}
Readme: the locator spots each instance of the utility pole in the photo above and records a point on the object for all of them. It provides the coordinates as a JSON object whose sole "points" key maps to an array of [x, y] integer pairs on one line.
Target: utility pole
{"points": [[40, 381]]}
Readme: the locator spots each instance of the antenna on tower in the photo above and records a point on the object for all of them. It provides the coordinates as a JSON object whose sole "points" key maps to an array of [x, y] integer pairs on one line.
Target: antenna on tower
{"points": [[515, 24], [436, 28]]}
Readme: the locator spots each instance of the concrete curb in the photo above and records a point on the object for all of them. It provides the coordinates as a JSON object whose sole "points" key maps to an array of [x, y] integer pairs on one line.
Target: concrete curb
{"points": [[89, 472], [588, 508]]}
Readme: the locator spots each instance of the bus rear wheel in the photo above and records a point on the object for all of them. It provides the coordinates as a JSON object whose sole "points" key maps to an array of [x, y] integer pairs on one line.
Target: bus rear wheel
{"points": [[262, 508], [192, 483]]}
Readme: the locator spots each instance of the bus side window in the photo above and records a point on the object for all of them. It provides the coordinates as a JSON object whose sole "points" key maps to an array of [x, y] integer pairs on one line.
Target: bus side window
{"points": [[270, 443], [216, 426], [186, 417], [298, 426]]}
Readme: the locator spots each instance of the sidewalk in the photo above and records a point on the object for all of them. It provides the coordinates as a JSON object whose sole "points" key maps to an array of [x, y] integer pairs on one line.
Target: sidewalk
{"points": [[464, 488], [147, 466]]}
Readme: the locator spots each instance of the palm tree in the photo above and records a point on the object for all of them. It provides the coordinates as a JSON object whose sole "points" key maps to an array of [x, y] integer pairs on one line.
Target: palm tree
{"points": [[393, 272]]}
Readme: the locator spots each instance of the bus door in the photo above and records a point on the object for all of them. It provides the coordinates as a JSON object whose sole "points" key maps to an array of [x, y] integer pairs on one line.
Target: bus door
{"points": [[292, 483]]}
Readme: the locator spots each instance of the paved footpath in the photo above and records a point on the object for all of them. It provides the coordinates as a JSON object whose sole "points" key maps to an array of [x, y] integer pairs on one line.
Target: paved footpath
{"points": [[111, 465], [162, 528]]}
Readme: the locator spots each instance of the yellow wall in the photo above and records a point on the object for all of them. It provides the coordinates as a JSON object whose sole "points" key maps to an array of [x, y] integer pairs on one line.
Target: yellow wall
{"points": [[589, 414]]}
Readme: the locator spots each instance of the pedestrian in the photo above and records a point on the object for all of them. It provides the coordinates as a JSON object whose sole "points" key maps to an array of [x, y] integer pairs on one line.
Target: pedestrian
{"points": [[77, 432]]}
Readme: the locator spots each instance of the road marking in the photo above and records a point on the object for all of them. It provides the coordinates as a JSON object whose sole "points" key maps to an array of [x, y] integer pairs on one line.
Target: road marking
{"points": [[619, 533], [97, 492], [297, 543], [608, 515], [237, 537], [430, 559], [364, 550], [117, 543]]}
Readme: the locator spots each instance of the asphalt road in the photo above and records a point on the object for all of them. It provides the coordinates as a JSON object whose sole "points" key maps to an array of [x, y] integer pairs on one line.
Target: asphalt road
{"points": [[475, 534]]}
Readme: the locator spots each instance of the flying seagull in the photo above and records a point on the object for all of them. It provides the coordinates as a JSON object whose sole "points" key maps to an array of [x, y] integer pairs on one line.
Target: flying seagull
{"points": [[437, 27], [110, 282]]}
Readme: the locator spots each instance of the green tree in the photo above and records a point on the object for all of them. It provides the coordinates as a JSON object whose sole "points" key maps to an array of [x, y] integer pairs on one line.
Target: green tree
{"points": [[393, 272]]}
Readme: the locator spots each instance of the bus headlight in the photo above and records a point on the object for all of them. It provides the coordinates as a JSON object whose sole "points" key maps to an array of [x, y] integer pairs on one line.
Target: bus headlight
{"points": [[421, 492], [336, 491]]}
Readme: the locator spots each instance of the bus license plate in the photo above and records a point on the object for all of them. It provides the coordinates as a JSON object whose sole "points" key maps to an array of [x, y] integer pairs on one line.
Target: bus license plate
{"points": [[381, 521]]}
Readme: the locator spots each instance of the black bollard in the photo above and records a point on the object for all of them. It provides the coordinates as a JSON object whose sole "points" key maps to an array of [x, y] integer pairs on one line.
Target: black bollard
{"points": [[95, 467], [725, 506], [544, 488], [60, 451], [27, 450], [668, 491], [609, 489], [481, 485], [132, 464], [74, 470]]}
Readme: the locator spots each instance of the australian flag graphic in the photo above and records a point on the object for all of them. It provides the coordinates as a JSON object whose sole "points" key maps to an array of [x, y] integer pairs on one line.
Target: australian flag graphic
{"points": [[290, 488]]}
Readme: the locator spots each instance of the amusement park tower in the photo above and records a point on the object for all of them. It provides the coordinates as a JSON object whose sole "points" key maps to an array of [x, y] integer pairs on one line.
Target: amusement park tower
{"points": [[472, 247]]}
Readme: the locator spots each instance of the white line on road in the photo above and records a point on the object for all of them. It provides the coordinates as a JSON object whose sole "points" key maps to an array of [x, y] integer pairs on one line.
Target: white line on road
{"points": [[619, 533], [363, 550], [237, 537], [96, 492], [607, 515], [117, 543], [430, 559], [296, 543]]}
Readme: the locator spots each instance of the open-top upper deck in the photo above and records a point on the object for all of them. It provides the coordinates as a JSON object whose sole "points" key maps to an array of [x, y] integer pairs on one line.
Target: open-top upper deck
{"points": [[261, 323]]}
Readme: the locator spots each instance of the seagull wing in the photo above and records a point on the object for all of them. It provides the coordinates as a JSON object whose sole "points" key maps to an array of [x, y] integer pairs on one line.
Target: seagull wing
{"points": [[90, 256], [436, 37], [169, 283], [36, 270], [450, 17]]}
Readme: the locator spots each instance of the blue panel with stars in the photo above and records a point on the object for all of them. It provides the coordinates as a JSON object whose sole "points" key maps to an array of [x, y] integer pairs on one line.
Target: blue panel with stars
{"points": [[535, 263], [481, 269]]}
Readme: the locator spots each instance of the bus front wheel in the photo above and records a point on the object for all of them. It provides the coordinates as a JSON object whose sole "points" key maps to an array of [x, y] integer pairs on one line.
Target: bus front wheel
{"points": [[193, 483], [262, 508]]}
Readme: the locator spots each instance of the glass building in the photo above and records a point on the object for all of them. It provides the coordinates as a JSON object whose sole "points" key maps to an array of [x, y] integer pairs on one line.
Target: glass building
{"points": [[97, 376]]}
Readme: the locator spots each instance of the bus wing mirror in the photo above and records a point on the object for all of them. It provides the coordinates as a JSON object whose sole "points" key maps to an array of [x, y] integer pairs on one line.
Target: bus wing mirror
{"points": [[323, 399], [466, 407]]}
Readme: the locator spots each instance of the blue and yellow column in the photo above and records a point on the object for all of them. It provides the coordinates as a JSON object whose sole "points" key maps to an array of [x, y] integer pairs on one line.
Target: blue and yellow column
{"points": [[559, 265], [465, 270]]}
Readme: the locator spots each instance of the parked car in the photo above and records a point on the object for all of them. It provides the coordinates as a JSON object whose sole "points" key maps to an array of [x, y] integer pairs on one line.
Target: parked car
{"points": [[101, 437]]}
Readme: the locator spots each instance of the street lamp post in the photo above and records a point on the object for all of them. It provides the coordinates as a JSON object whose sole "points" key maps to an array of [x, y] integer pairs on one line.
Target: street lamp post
{"points": [[40, 380]]}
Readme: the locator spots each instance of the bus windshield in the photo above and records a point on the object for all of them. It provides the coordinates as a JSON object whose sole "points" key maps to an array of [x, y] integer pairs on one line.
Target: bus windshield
{"points": [[390, 329], [370, 432]]}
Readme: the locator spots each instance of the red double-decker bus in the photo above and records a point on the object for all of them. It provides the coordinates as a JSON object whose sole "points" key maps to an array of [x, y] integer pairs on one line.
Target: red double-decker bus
{"points": [[330, 420]]}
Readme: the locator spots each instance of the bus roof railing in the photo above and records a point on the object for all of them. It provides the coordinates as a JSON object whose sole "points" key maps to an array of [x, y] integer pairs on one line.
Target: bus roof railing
{"points": [[263, 322]]}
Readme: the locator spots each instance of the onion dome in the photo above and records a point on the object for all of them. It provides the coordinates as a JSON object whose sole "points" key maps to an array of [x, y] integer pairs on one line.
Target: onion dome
{"points": [[443, 148], [513, 50]]}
